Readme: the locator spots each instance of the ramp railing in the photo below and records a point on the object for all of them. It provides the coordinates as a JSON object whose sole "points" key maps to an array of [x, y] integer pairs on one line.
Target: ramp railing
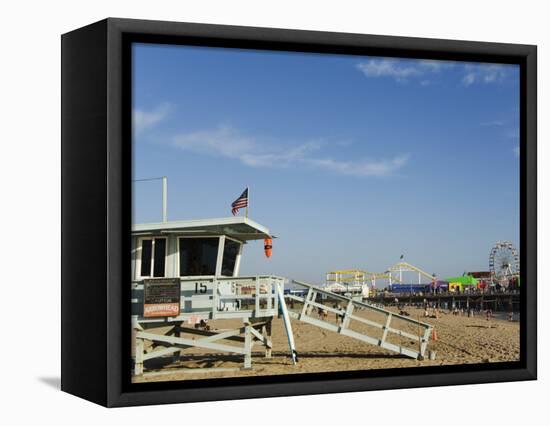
{"points": [[362, 321], [217, 298]]}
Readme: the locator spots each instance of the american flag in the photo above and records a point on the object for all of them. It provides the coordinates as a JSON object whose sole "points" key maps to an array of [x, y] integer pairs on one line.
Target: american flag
{"points": [[240, 202]]}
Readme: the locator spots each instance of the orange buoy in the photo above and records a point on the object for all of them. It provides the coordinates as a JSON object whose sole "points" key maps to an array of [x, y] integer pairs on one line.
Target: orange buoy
{"points": [[268, 246]]}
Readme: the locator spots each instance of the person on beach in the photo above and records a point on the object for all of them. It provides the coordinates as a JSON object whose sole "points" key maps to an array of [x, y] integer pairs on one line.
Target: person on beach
{"points": [[338, 315]]}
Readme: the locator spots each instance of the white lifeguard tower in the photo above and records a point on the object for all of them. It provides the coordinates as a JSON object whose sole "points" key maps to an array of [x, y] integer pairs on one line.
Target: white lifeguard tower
{"points": [[186, 273]]}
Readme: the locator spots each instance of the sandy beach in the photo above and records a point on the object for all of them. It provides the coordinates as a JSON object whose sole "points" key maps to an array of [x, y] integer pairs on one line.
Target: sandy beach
{"points": [[460, 340]]}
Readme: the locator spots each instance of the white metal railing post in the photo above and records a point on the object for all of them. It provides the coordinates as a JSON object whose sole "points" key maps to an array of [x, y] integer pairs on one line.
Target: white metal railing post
{"points": [[276, 296], [215, 299], [257, 301], [269, 301]]}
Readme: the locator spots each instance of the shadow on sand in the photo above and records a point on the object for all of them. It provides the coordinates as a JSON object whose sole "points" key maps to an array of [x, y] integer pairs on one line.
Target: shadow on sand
{"points": [[214, 360]]}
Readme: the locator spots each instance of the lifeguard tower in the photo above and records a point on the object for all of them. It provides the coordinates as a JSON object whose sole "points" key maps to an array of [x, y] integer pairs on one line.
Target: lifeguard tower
{"points": [[186, 273]]}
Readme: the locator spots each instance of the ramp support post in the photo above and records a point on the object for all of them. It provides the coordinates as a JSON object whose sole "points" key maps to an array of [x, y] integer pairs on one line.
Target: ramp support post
{"points": [[266, 331], [177, 333], [138, 366], [247, 346], [286, 320]]}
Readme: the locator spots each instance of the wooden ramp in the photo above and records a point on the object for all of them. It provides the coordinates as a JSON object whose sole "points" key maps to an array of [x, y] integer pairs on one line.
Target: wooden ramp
{"points": [[371, 324]]}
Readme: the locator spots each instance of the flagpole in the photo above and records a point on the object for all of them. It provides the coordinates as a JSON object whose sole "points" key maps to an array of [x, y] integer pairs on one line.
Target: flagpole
{"points": [[248, 200]]}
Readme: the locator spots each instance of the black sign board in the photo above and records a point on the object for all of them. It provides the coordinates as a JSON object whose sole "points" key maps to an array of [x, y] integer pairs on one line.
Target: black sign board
{"points": [[161, 297]]}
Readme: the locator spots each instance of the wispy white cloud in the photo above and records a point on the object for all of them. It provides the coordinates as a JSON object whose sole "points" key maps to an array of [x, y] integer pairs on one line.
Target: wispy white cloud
{"points": [[363, 168], [227, 142], [388, 68], [144, 120], [469, 79], [492, 123], [483, 73], [222, 141], [402, 70], [434, 66], [425, 71]]}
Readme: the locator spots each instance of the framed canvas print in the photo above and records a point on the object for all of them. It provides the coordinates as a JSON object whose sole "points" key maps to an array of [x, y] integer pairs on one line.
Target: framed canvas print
{"points": [[253, 212]]}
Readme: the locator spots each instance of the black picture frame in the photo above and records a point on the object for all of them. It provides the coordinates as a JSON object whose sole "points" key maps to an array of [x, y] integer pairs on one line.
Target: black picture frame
{"points": [[96, 206]]}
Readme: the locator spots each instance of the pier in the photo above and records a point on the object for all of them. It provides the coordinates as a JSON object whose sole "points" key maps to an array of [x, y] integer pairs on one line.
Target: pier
{"points": [[496, 301]]}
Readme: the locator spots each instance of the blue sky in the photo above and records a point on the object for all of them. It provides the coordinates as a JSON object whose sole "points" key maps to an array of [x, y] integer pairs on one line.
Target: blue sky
{"points": [[351, 161]]}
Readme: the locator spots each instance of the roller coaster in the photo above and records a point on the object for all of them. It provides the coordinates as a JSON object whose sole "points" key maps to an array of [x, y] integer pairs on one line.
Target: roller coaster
{"points": [[356, 277], [360, 277], [401, 267], [355, 282]]}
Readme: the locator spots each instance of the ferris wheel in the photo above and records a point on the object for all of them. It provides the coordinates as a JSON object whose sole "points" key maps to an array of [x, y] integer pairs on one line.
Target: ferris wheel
{"points": [[504, 261]]}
